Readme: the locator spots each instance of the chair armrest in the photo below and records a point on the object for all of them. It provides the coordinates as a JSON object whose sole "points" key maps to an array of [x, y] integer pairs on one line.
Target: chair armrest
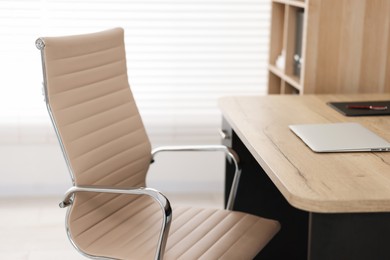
{"points": [[231, 155], [156, 195]]}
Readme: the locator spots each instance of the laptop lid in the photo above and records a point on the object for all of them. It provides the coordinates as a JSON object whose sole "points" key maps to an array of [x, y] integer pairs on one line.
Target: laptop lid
{"points": [[339, 137]]}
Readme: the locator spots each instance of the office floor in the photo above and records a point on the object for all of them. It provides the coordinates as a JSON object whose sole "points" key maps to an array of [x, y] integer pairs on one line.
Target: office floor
{"points": [[33, 228]]}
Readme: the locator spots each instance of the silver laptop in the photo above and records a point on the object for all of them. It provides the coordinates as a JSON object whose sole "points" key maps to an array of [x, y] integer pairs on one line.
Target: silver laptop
{"points": [[340, 137]]}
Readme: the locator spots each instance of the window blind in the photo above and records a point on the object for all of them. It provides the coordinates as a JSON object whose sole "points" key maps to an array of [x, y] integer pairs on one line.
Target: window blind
{"points": [[182, 56]]}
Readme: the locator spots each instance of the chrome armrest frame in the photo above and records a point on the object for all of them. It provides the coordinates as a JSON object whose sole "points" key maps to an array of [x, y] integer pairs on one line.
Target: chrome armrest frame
{"points": [[156, 195], [229, 153]]}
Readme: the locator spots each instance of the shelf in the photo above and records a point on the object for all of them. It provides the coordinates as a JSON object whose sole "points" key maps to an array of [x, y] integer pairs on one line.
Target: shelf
{"points": [[292, 37], [290, 79], [280, 86], [296, 3], [286, 88], [331, 46], [283, 48], [277, 31]]}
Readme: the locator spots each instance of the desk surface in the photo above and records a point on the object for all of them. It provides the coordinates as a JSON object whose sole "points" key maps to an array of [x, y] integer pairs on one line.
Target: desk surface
{"points": [[316, 182]]}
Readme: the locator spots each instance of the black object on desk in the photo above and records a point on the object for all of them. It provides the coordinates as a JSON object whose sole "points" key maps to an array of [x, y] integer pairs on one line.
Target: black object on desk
{"points": [[362, 108]]}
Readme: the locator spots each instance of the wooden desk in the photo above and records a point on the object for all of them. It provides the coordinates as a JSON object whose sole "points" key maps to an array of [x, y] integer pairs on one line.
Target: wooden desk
{"points": [[342, 200]]}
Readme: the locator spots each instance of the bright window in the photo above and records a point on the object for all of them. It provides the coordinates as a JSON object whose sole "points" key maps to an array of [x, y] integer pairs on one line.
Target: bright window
{"points": [[182, 56]]}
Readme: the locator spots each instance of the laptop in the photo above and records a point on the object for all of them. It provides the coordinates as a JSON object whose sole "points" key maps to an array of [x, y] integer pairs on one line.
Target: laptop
{"points": [[340, 137]]}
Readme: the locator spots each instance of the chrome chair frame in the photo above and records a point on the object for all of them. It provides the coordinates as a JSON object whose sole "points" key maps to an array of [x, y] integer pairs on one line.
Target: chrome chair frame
{"points": [[156, 195], [231, 156]]}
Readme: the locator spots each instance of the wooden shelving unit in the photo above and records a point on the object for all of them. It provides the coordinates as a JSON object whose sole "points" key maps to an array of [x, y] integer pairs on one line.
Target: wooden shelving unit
{"points": [[345, 46]]}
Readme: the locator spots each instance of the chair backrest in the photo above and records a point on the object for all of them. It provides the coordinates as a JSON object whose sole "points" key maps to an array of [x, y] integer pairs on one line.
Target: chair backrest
{"points": [[93, 110]]}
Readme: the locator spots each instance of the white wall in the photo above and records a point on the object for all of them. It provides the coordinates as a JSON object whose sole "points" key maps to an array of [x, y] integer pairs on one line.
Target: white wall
{"points": [[188, 172], [182, 56], [32, 164], [32, 169]]}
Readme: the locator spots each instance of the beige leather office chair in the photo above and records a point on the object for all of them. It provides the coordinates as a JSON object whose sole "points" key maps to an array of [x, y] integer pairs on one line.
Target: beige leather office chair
{"points": [[111, 214]]}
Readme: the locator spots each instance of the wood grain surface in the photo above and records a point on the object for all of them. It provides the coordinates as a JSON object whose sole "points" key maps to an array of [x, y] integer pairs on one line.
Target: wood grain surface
{"points": [[316, 182]]}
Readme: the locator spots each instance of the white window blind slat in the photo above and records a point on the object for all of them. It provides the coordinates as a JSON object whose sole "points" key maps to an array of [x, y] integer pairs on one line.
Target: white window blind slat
{"points": [[182, 56]]}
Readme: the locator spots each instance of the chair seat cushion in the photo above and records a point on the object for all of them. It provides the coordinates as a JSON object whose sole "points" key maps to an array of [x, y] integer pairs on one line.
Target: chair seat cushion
{"points": [[217, 234], [131, 232]]}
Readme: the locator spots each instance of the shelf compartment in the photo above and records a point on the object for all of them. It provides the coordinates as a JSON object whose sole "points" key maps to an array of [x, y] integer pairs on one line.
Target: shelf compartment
{"points": [[277, 31], [284, 41], [292, 32], [290, 79], [287, 88], [274, 83]]}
